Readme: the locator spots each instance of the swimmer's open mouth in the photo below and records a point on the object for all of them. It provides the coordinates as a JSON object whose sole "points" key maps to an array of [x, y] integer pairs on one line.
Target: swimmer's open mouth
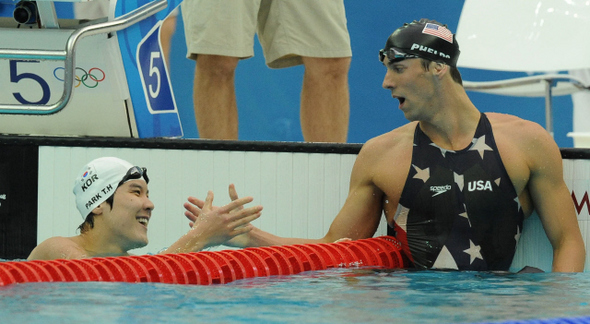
{"points": [[401, 100], [143, 220]]}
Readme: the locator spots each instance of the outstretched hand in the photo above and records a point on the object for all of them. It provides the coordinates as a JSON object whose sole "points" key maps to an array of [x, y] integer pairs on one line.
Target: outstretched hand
{"points": [[241, 240], [218, 225], [195, 206]]}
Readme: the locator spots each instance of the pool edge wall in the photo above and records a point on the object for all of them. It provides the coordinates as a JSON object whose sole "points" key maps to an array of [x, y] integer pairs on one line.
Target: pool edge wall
{"points": [[301, 185]]}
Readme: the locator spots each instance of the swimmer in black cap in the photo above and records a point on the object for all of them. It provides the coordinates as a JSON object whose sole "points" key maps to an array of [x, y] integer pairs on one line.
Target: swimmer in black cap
{"points": [[427, 39], [454, 184]]}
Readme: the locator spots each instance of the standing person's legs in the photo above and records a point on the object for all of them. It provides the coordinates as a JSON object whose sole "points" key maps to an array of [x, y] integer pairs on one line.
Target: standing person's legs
{"points": [[167, 30], [325, 107], [312, 33], [218, 34], [214, 97]]}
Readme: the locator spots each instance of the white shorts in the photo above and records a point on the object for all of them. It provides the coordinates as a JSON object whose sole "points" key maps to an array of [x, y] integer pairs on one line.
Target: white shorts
{"points": [[287, 29], [91, 10], [97, 9]]}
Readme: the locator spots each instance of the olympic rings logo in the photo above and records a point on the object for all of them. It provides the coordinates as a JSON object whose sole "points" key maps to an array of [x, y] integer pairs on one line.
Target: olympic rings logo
{"points": [[89, 79]]}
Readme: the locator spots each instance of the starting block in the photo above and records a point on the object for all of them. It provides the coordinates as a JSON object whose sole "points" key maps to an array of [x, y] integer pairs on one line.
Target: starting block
{"points": [[104, 77]]}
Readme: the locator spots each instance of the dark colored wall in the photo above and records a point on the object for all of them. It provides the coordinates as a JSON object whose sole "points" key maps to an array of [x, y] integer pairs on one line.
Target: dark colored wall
{"points": [[18, 200]]}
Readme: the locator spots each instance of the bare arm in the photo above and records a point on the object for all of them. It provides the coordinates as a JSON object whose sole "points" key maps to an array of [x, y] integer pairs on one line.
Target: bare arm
{"points": [[57, 248], [196, 208], [214, 226], [358, 218], [554, 204]]}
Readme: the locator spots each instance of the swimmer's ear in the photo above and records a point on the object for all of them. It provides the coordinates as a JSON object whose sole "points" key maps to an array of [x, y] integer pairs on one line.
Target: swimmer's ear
{"points": [[98, 209], [440, 69]]}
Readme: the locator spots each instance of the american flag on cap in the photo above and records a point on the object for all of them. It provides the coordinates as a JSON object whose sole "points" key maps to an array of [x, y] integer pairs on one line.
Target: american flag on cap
{"points": [[438, 31]]}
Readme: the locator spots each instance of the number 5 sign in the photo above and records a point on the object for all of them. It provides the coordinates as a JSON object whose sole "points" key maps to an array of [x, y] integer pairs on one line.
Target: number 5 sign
{"points": [[154, 106], [154, 74]]}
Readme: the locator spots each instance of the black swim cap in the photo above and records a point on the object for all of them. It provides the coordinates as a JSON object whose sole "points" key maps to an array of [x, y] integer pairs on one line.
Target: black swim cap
{"points": [[426, 38]]}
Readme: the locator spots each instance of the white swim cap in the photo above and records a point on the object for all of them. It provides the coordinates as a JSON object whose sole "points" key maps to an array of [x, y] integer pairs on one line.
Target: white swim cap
{"points": [[97, 181]]}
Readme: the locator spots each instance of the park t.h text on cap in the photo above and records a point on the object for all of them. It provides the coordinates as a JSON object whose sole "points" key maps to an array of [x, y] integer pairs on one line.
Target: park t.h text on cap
{"points": [[97, 181]]}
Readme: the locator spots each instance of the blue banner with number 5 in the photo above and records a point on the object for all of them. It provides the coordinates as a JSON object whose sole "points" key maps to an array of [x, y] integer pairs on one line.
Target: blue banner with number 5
{"points": [[147, 74]]}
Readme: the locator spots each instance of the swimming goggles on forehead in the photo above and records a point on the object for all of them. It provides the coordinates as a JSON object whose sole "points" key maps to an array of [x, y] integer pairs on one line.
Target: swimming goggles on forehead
{"points": [[135, 173], [394, 55]]}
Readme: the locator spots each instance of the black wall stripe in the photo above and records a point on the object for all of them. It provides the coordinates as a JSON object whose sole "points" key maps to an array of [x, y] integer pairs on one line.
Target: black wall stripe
{"points": [[18, 200]]}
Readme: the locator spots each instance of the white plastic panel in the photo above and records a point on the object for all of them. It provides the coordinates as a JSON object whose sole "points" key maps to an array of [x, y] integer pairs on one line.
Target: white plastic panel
{"points": [[301, 192], [524, 35], [534, 248]]}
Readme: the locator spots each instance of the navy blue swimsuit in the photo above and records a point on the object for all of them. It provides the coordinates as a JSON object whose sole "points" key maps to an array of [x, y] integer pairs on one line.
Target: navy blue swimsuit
{"points": [[458, 209]]}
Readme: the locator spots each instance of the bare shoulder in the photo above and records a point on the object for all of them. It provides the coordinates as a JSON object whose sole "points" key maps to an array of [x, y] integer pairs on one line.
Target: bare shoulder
{"points": [[57, 247], [517, 128], [387, 156], [528, 139], [394, 141]]}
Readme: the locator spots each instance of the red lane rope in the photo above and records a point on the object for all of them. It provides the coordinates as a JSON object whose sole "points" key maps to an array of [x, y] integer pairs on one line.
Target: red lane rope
{"points": [[204, 268]]}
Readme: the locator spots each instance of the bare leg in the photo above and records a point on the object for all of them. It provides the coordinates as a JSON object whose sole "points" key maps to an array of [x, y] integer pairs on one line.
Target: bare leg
{"points": [[325, 107], [214, 97], [166, 32]]}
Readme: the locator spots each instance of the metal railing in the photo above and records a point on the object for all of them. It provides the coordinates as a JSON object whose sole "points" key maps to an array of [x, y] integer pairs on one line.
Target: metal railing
{"points": [[68, 55], [572, 84]]}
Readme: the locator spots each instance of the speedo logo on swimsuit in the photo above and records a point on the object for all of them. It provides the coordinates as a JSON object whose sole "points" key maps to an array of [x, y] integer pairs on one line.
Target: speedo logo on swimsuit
{"points": [[439, 189]]}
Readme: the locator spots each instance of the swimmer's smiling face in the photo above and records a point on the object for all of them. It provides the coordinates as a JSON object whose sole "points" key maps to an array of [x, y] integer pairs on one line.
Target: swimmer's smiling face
{"points": [[129, 216]]}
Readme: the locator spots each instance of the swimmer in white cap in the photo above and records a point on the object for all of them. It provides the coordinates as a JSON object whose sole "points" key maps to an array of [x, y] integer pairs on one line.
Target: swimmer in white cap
{"points": [[113, 199]]}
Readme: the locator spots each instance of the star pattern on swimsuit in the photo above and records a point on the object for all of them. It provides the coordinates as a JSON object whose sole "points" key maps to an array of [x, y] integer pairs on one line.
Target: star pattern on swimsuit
{"points": [[480, 145], [401, 217], [518, 202], [474, 252], [442, 150], [464, 214], [445, 260], [459, 180], [517, 236], [422, 174]]}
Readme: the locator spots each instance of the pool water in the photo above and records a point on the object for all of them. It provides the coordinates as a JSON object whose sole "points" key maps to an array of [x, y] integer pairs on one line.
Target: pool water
{"points": [[330, 296]]}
